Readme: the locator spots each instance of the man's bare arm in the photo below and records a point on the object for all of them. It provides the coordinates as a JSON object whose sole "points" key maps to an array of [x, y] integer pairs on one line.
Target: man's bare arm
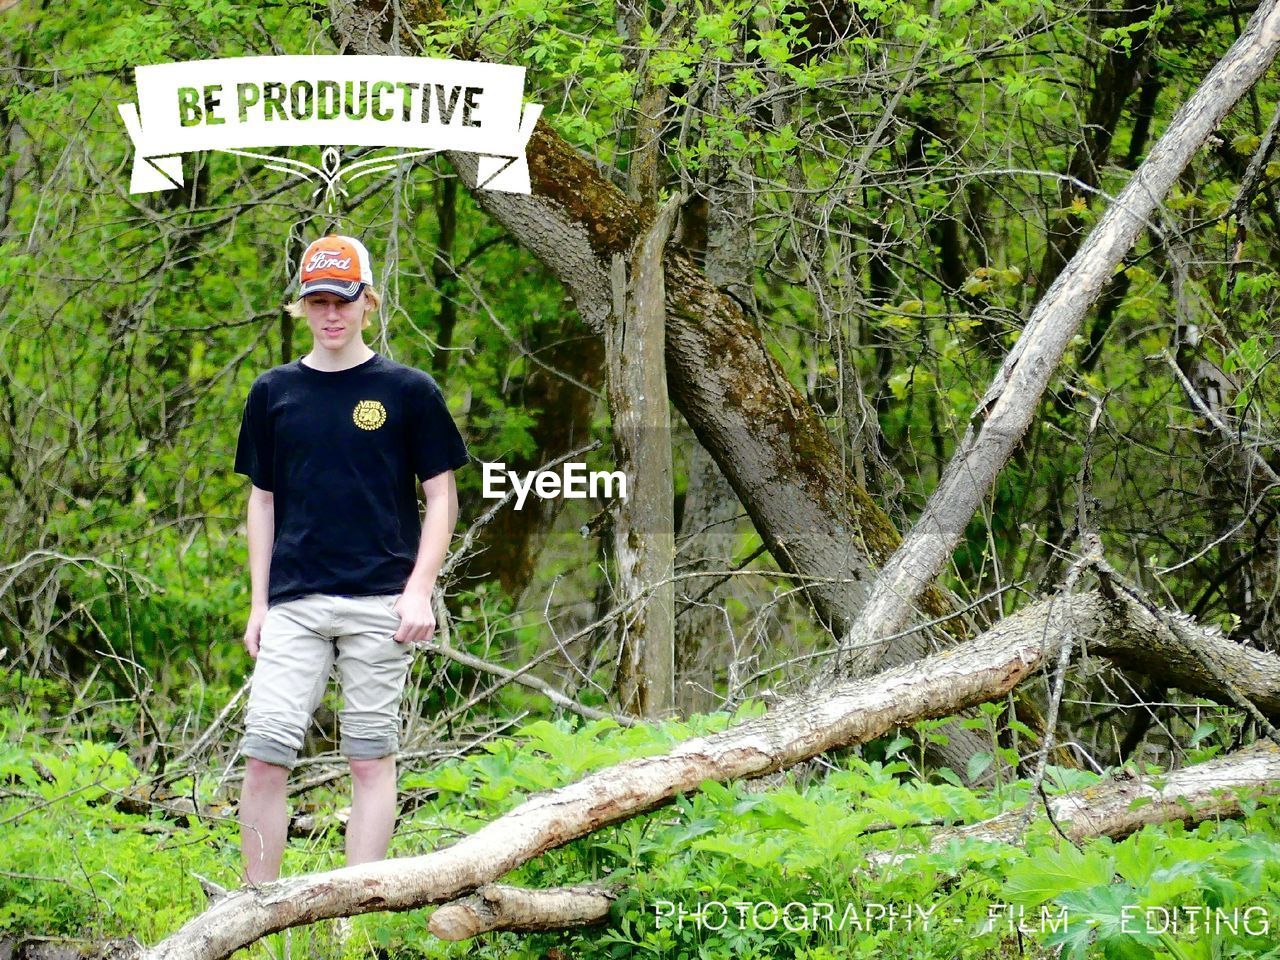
{"points": [[417, 620], [262, 535]]}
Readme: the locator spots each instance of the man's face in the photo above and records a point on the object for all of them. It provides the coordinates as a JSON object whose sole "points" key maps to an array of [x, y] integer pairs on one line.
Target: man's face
{"points": [[334, 322]]}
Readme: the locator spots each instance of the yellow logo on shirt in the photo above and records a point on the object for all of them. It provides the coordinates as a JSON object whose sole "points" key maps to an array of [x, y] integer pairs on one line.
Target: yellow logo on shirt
{"points": [[369, 414]]}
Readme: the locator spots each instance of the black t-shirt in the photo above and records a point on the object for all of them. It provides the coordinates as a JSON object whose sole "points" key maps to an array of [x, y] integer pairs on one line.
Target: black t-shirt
{"points": [[340, 451]]}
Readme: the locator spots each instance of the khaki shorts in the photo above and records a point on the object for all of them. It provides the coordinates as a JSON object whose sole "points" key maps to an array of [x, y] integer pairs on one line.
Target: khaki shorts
{"points": [[300, 641]]}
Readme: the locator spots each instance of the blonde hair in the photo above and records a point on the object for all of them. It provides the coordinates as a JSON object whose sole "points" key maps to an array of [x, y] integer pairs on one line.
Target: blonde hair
{"points": [[298, 311]]}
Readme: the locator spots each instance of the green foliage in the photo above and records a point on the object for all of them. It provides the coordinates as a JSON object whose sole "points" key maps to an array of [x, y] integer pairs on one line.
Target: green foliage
{"points": [[75, 866], [723, 872]]}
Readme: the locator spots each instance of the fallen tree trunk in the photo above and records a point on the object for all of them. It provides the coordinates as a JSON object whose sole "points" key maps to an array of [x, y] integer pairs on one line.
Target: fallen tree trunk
{"points": [[497, 907], [851, 713], [1129, 636], [58, 948], [1205, 791], [1117, 809], [1215, 789]]}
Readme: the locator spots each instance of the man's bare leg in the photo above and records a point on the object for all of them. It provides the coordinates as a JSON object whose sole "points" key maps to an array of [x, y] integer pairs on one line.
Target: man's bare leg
{"points": [[373, 809], [264, 819]]}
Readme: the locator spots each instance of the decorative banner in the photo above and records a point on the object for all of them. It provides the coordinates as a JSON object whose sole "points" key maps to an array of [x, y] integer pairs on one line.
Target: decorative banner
{"points": [[413, 102]]}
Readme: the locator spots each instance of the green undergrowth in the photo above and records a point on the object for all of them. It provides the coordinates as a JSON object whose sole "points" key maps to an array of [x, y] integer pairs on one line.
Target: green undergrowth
{"points": [[725, 872]]}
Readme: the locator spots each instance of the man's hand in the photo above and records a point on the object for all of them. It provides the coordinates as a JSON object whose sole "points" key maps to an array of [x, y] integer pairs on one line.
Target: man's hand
{"points": [[253, 632], [417, 619]]}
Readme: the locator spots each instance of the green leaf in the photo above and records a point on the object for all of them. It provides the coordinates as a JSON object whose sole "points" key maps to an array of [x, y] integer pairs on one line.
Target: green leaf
{"points": [[1109, 914], [977, 766], [1204, 730], [949, 775], [1052, 873], [896, 746]]}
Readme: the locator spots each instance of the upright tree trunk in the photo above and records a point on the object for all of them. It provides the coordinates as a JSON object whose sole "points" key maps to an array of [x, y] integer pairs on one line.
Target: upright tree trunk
{"points": [[443, 267], [644, 527], [640, 418]]}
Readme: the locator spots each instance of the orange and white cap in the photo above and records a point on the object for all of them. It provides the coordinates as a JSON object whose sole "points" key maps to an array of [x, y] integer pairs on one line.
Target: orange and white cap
{"points": [[335, 264]]}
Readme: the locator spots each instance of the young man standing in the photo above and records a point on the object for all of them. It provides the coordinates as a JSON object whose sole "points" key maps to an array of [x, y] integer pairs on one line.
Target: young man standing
{"points": [[341, 563]]}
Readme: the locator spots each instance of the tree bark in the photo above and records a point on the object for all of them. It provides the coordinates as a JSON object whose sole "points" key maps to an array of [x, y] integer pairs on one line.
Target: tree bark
{"points": [[444, 270], [1131, 637], [644, 528], [715, 226], [497, 907]]}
